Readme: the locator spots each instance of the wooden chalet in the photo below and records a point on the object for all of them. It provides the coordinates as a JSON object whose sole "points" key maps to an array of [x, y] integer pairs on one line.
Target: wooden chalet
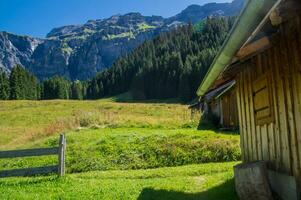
{"points": [[220, 101], [263, 54]]}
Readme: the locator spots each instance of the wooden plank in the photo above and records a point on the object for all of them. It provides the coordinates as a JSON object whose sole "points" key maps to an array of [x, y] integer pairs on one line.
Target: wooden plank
{"points": [[243, 124], [262, 114], [260, 83], [248, 110], [287, 67], [28, 171], [261, 99], [238, 91], [265, 143], [254, 73], [277, 133], [259, 143], [285, 152], [252, 116], [258, 67], [274, 130], [298, 106], [297, 90], [298, 44], [272, 156], [28, 152], [261, 65], [254, 48], [234, 117], [292, 96], [271, 120]]}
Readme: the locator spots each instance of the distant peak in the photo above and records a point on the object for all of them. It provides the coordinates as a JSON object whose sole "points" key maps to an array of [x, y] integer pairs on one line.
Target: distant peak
{"points": [[193, 6], [133, 14]]}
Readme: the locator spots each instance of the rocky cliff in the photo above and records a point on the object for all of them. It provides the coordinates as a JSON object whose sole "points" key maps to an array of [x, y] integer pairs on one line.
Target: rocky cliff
{"points": [[80, 51]]}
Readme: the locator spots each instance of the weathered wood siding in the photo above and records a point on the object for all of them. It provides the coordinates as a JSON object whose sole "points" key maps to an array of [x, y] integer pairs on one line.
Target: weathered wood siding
{"points": [[229, 110], [277, 140]]}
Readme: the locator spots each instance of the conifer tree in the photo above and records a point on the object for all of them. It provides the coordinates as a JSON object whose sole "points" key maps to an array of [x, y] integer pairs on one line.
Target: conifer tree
{"points": [[77, 90], [16, 83], [4, 86], [56, 88]]}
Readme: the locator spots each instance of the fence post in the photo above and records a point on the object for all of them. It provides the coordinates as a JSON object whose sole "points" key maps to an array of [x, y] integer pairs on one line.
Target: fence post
{"points": [[62, 150]]}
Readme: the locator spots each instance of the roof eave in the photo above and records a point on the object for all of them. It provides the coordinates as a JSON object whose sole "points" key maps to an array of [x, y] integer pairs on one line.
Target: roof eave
{"points": [[250, 19]]}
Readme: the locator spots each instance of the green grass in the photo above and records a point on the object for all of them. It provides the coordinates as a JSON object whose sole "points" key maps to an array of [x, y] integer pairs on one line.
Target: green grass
{"points": [[117, 150], [194, 182], [22, 122], [135, 148]]}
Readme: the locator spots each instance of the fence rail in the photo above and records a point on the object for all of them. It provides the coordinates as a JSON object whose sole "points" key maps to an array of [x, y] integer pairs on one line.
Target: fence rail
{"points": [[60, 168], [29, 152]]}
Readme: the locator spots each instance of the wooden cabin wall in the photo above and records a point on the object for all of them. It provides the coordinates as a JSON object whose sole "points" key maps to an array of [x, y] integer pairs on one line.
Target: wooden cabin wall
{"points": [[229, 111], [278, 141], [215, 107]]}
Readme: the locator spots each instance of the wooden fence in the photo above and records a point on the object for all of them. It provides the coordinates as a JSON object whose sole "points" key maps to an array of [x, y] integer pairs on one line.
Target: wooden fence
{"points": [[60, 168]]}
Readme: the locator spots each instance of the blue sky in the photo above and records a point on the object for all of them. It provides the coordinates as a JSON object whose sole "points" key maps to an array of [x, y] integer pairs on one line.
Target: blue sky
{"points": [[38, 17]]}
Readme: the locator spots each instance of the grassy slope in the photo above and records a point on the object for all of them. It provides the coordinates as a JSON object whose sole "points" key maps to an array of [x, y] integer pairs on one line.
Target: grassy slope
{"points": [[194, 182], [22, 122], [116, 136], [134, 148]]}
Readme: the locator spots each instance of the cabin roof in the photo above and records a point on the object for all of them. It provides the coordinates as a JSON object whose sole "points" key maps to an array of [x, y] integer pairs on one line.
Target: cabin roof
{"points": [[247, 27], [219, 91]]}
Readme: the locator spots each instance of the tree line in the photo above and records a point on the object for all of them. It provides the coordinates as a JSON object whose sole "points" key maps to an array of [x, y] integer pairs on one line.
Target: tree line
{"points": [[171, 65], [22, 85]]}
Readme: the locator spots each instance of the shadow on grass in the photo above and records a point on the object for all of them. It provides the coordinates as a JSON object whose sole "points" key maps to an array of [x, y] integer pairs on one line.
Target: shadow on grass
{"points": [[210, 127], [26, 181], [224, 191]]}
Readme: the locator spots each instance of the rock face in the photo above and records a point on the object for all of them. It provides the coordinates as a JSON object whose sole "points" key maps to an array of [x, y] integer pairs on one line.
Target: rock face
{"points": [[16, 49], [194, 13], [80, 51]]}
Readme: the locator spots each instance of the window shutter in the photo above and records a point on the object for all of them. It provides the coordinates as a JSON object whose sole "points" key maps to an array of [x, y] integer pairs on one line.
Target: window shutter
{"points": [[263, 104]]}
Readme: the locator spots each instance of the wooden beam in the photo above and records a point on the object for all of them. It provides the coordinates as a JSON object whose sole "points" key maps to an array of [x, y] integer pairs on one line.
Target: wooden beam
{"points": [[28, 152], [28, 171], [254, 48]]}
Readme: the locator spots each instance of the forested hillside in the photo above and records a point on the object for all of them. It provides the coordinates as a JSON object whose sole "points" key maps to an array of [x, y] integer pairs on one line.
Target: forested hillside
{"points": [[170, 66], [78, 52]]}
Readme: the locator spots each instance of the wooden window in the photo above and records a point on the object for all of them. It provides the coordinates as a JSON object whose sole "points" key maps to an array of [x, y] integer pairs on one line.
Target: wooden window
{"points": [[263, 102]]}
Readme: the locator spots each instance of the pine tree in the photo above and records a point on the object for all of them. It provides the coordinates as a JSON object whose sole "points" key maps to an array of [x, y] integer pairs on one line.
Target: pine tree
{"points": [[23, 85], [185, 92], [4, 86], [15, 82], [77, 90], [56, 88]]}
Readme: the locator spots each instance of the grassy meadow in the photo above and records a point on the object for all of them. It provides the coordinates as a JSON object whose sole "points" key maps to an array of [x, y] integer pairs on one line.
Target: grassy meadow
{"points": [[192, 182], [115, 150], [22, 122]]}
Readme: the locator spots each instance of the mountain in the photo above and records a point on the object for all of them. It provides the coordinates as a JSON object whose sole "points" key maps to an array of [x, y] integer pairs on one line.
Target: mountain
{"points": [[15, 49], [80, 51], [194, 13]]}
